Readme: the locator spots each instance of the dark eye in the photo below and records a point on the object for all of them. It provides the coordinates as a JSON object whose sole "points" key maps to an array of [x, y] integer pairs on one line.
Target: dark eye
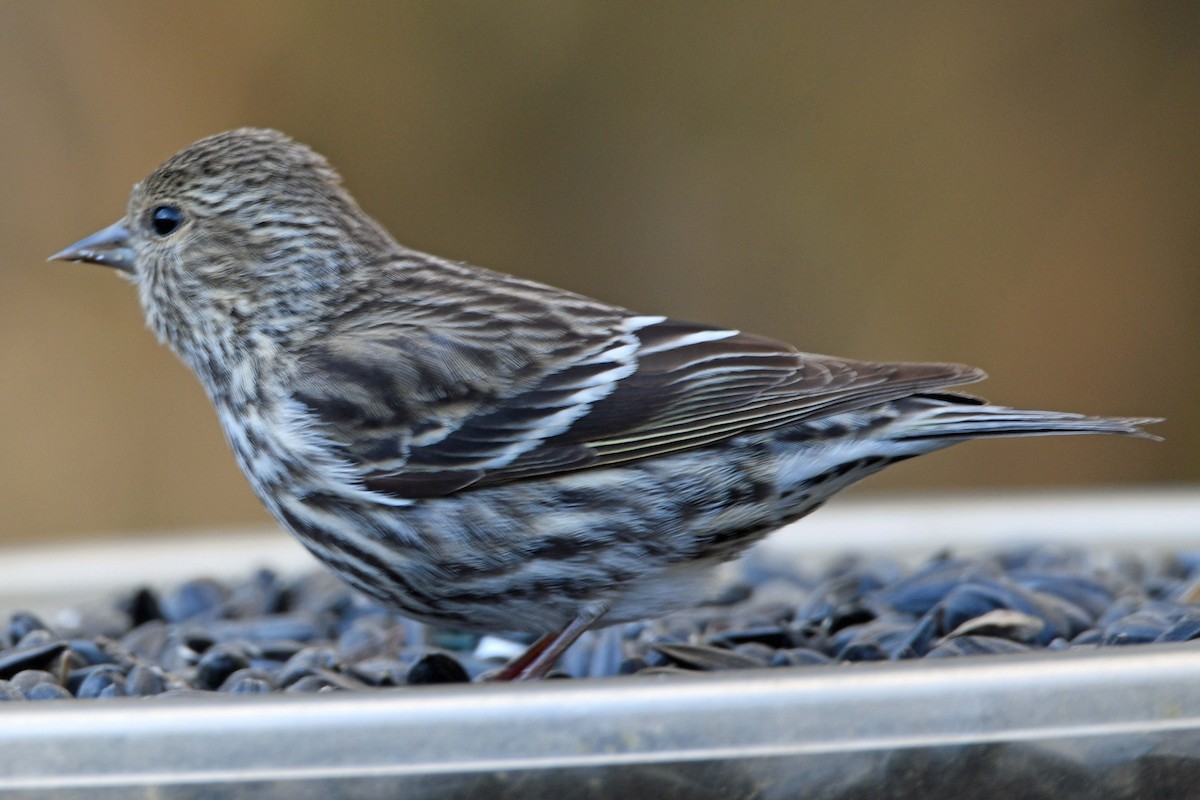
{"points": [[165, 219]]}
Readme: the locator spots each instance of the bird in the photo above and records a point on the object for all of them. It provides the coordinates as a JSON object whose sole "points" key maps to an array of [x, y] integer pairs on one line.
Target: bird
{"points": [[483, 452]]}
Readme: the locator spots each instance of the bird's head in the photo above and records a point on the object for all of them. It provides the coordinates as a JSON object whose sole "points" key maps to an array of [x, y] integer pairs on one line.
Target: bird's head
{"points": [[243, 236]]}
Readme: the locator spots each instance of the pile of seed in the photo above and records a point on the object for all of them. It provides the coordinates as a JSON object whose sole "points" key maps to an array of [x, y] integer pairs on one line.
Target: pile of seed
{"points": [[271, 634]]}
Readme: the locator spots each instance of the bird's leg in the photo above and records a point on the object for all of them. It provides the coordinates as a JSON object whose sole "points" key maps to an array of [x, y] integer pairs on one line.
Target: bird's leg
{"points": [[543, 654]]}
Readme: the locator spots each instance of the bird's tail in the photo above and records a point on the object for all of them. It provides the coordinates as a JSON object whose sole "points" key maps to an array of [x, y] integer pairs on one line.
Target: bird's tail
{"points": [[949, 417]]}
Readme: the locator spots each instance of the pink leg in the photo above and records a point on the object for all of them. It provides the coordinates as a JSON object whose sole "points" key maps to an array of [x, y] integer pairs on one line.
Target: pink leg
{"points": [[543, 654]]}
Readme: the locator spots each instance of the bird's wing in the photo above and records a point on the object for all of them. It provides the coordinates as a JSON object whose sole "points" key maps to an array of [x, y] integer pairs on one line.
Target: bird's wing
{"points": [[425, 413]]}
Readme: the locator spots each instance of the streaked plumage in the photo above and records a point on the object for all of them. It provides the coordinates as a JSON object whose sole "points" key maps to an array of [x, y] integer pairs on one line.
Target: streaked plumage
{"points": [[487, 452]]}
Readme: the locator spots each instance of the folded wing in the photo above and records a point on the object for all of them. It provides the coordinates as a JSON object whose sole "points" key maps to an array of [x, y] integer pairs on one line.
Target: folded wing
{"points": [[425, 413]]}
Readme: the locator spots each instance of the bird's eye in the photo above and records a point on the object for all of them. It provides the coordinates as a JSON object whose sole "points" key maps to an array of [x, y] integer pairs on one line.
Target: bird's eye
{"points": [[165, 219]]}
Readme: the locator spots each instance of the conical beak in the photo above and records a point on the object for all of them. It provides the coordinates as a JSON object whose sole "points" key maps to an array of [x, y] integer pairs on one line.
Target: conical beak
{"points": [[109, 247]]}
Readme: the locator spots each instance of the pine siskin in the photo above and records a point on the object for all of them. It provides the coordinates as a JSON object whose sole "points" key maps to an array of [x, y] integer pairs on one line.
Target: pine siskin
{"points": [[485, 452]]}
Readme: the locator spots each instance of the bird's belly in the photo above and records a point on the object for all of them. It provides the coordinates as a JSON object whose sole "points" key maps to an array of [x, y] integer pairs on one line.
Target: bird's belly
{"points": [[528, 555]]}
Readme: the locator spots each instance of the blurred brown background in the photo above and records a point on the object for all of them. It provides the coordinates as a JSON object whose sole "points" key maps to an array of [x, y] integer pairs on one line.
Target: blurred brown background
{"points": [[1011, 185]]}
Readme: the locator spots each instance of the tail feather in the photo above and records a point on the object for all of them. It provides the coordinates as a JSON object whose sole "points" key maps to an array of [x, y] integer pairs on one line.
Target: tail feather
{"points": [[940, 420]]}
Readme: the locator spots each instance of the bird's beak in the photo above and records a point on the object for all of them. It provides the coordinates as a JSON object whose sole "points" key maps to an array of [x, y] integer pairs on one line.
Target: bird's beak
{"points": [[109, 247]]}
